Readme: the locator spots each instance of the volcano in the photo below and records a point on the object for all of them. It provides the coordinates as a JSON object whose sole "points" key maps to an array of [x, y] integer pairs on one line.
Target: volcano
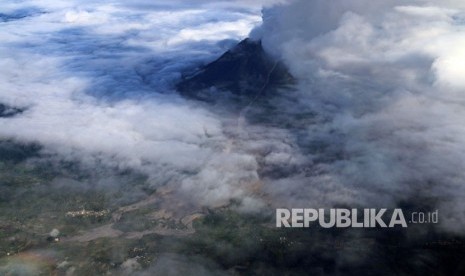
{"points": [[243, 71]]}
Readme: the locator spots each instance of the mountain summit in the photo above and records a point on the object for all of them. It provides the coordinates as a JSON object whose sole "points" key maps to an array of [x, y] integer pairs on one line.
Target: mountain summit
{"points": [[244, 70]]}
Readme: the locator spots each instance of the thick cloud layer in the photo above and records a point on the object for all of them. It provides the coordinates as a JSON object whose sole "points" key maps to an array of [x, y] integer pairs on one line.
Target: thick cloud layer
{"points": [[376, 119], [95, 81], [386, 79]]}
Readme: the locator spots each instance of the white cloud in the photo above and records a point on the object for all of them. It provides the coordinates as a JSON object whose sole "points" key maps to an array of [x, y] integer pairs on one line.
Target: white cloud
{"points": [[386, 76], [377, 118], [95, 79]]}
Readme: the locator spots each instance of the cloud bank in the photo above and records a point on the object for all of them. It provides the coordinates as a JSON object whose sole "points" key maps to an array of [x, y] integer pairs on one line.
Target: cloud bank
{"points": [[375, 119], [385, 79], [95, 81]]}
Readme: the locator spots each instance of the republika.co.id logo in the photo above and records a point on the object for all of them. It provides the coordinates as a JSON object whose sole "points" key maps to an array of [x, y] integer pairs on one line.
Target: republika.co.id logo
{"points": [[345, 218]]}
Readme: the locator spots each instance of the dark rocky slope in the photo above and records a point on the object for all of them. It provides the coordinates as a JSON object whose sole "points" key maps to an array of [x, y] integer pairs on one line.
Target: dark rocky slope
{"points": [[245, 70]]}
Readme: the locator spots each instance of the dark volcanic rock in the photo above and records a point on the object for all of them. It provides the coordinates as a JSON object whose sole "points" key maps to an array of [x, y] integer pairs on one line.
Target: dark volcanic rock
{"points": [[244, 70]]}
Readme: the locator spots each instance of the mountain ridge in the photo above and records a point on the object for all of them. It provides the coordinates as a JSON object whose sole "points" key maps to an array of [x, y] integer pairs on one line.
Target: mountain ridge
{"points": [[244, 70]]}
